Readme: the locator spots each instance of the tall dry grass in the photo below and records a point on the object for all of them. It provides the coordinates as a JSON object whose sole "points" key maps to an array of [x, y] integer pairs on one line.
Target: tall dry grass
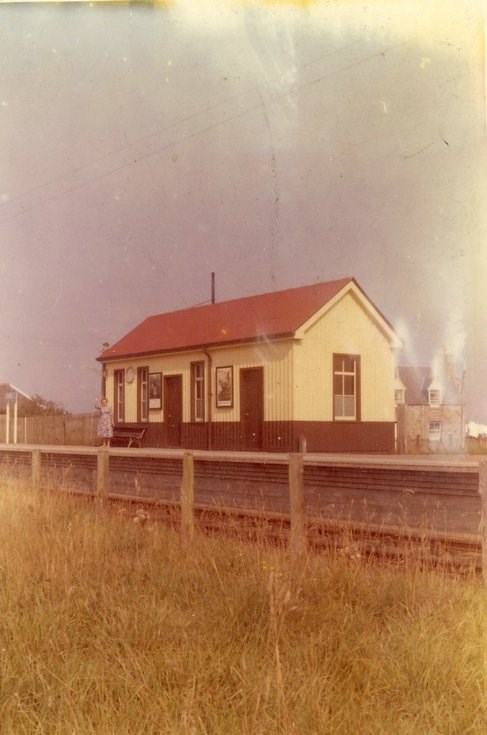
{"points": [[111, 625]]}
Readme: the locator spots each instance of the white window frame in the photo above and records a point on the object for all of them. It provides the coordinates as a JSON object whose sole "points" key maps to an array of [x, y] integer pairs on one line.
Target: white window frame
{"points": [[343, 401], [198, 391], [399, 395], [143, 393], [434, 396], [119, 380], [434, 430]]}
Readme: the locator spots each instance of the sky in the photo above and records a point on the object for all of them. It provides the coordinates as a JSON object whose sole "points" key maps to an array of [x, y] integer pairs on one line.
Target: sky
{"points": [[276, 144]]}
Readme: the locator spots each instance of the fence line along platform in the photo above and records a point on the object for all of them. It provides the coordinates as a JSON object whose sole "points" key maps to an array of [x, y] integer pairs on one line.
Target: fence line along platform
{"points": [[437, 498]]}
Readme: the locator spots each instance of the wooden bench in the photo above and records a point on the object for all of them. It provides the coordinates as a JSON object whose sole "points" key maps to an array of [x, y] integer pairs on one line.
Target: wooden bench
{"points": [[128, 435]]}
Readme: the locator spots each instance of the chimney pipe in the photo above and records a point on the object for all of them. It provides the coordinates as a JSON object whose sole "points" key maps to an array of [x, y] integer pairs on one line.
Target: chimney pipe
{"points": [[212, 288]]}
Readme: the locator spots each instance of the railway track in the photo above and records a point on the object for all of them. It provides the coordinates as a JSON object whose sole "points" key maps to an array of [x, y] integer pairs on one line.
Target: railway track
{"points": [[360, 543], [399, 509]]}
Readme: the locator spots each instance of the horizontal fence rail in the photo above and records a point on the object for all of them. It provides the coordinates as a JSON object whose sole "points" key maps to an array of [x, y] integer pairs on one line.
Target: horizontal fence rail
{"points": [[436, 501]]}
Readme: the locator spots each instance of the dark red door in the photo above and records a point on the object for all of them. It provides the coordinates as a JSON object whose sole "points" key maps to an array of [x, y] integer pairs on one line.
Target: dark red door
{"points": [[251, 407], [173, 409]]}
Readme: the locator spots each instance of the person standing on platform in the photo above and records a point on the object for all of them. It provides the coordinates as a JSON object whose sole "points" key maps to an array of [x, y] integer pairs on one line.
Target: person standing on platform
{"points": [[104, 429]]}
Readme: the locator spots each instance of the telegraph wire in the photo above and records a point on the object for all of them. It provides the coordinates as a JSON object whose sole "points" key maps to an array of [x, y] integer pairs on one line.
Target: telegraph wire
{"points": [[164, 129], [117, 151], [185, 138]]}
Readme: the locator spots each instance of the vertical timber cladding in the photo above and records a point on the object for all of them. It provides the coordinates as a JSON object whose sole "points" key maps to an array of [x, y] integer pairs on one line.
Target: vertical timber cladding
{"points": [[261, 410], [346, 329]]}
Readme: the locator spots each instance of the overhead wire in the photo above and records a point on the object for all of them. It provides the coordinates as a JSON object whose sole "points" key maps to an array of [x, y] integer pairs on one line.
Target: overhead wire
{"points": [[165, 128], [257, 106]]}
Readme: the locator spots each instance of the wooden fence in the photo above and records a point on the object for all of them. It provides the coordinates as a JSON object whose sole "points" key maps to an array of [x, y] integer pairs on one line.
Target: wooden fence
{"points": [[72, 429], [440, 504]]}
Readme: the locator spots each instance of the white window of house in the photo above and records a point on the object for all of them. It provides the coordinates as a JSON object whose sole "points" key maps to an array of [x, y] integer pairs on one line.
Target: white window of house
{"points": [[434, 397], [198, 391], [346, 387], [143, 394], [399, 395], [434, 430]]}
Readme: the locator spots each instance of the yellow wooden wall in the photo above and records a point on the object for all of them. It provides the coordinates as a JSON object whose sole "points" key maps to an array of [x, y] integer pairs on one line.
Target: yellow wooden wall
{"points": [[346, 328], [275, 357]]}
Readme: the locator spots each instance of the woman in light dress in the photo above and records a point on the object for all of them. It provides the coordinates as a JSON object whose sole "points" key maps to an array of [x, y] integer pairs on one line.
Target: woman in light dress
{"points": [[104, 429]]}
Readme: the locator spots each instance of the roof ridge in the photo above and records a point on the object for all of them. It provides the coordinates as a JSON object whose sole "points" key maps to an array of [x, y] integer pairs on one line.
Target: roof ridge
{"points": [[209, 304], [270, 315]]}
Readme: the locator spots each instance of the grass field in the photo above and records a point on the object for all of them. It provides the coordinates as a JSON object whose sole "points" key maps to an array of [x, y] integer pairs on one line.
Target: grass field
{"points": [[108, 624]]}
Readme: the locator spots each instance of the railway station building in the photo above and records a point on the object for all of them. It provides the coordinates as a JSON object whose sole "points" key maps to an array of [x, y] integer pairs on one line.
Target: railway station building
{"points": [[309, 368]]}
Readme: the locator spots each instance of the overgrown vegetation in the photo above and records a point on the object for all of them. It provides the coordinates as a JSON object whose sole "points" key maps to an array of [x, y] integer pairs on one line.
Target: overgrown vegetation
{"points": [[108, 624], [36, 405], [476, 446]]}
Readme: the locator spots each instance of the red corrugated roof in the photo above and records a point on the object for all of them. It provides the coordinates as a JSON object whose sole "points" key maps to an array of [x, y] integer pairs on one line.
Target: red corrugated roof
{"points": [[253, 318]]}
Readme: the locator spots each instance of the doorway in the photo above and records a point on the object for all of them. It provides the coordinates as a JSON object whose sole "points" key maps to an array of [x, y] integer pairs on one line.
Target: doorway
{"points": [[251, 408], [173, 409]]}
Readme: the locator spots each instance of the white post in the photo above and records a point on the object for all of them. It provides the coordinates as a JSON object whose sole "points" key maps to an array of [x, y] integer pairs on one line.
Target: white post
{"points": [[7, 424]]}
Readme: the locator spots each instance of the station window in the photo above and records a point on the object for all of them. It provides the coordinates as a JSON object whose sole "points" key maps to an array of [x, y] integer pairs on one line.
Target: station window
{"points": [[119, 396], [143, 394], [346, 387], [198, 391]]}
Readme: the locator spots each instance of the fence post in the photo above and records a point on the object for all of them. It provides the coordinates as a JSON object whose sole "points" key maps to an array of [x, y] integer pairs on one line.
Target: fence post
{"points": [[297, 540], [102, 474], [483, 516], [36, 469], [187, 498]]}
